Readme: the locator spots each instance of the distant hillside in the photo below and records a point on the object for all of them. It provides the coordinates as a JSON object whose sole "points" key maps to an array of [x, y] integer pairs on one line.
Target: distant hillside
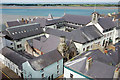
{"points": [[85, 5]]}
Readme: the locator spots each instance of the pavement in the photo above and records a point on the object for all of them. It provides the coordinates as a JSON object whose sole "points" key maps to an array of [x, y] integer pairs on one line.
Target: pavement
{"points": [[7, 74]]}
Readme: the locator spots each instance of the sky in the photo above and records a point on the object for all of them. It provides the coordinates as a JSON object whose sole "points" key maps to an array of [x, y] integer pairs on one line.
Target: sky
{"points": [[39, 1]]}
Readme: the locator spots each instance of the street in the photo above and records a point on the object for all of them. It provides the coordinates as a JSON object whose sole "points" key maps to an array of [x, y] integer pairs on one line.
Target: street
{"points": [[7, 74], [4, 76]]}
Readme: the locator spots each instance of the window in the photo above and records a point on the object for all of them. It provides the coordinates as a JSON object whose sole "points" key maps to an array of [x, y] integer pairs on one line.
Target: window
{"points": [[105, 35], [21, 31], [91, 46], [19, 46], [43, 75], [58, 72], [13, 33], [71, 75], [103, 43], [42, 70], [11, 43], [36, 28], [16, 71], [111, 33], [83, 49], [98, 43], [30, 75], [8, 65], [49, 78], [88, 47], [24, 30], [24, 72], [57, 66]]}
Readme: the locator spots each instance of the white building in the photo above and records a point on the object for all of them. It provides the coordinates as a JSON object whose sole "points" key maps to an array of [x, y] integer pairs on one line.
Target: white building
{"points": [[93, 65]]}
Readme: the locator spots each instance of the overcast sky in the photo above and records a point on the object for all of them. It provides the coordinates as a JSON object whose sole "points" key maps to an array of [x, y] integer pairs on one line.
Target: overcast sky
{"points": [[35, 1]]}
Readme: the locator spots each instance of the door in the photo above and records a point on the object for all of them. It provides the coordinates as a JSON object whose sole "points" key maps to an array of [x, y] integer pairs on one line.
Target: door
{"points": [[52, 77]]}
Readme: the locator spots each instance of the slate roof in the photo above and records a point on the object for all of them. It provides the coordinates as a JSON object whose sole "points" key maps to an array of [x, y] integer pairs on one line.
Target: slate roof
{"points": [[80, 35], [58, 33], [77, 19], [72, 26], [118, 16], [106, 23], [24, 31], [86, 34], [100, 67], [13, 56], [54, 21], [97, 69], [102, 57], [46, 44], [45, 60], [41, 21], [117, 24], [115, 55], [14, 23]]}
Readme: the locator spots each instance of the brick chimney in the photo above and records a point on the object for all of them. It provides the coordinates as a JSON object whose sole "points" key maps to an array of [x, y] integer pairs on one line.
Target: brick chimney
{"points": [[116, 73], [89, 63], [105, 51]]}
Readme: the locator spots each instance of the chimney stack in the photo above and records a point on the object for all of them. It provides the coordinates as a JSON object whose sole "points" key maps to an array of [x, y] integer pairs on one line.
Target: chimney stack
{"points": [[26, 21], [117, 73], [22, 19], [29, 20], [106, 52], [88, 63]]}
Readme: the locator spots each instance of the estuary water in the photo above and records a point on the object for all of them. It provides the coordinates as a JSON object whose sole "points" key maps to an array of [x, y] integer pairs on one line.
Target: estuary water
{"points": [[54, 12]]}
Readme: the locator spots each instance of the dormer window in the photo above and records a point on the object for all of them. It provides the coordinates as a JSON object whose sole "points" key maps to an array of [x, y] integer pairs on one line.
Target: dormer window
{"points": [[36, 28], [24, 30], [13, 33], [21, 31]]}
